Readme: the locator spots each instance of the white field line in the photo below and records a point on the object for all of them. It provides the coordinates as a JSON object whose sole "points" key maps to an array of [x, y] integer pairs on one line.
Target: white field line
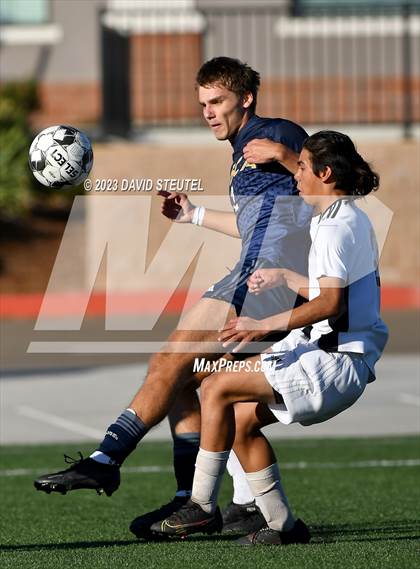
{"points": [[286, 466], [410, 399], [59, 422]]}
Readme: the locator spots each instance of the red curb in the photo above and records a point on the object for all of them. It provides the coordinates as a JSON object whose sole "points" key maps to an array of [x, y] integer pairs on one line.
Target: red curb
{"points": [[68, 304], [400, 298]]}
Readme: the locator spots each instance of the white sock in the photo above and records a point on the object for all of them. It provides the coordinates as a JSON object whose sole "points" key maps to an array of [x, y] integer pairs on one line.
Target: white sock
{"points": [[270, 498], [102, 457], [209, 470], [241, 491]]}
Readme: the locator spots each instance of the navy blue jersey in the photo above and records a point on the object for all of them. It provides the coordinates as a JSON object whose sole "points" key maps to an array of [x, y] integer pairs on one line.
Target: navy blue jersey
{"points": [[261, 193], [273, 221]]}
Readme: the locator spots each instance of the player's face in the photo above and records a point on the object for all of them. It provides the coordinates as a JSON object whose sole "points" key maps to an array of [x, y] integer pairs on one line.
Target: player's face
{"points": [[223, 110], [310, 186]]}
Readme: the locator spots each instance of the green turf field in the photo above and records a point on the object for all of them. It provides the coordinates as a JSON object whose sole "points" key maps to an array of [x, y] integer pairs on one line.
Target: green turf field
{"points": [[359, 497]]}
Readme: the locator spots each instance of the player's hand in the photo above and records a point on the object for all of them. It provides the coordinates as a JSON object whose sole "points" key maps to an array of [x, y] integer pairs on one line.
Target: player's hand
{"points": [[243, 330], [263, 279], [177, 207], [264, 150]]}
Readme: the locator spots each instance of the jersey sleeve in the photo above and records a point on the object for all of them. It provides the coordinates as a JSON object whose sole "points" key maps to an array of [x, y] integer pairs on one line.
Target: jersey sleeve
{"points": [[334, 249], [289, 134]]}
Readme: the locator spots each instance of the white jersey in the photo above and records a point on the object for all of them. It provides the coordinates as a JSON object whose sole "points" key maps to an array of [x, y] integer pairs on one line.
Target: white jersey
{"points": [[344, 246]]}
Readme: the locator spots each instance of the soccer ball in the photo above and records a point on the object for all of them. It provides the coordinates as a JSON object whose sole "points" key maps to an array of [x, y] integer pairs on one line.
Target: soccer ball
{"points": [[61, 157]]}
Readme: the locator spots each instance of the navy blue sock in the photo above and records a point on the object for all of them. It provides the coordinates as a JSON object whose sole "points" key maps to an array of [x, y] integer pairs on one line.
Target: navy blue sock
{"points": [[122, 436], [186, 446]]}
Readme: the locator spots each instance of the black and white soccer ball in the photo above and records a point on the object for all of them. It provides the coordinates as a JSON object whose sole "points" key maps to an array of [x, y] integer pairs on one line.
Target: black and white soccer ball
{"points": [[61, 157]]}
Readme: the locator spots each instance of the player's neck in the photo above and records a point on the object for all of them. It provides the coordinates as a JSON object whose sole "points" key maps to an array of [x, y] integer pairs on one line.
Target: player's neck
{"points": [[325, 202], [245, 119]]}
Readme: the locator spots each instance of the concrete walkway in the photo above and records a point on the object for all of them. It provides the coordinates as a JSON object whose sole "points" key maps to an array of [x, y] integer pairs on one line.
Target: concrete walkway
{"points": [[78, 404]]}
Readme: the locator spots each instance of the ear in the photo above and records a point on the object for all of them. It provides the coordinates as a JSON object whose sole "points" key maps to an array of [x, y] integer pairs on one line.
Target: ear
{"points": [[326, 175], [247, 100]]}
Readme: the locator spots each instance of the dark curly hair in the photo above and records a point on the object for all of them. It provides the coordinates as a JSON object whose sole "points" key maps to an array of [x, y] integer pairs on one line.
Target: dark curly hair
{"points": [[231, 73], [350, 171]]}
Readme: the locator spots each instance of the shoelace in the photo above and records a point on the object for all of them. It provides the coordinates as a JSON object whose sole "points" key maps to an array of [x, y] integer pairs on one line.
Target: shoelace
{"points": [[73, 461]]}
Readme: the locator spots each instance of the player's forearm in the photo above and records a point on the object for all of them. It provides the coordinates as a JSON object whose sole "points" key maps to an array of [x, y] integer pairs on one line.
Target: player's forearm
{"points": [[287, 157], [221, 221], [296, 282], [309, 313]]}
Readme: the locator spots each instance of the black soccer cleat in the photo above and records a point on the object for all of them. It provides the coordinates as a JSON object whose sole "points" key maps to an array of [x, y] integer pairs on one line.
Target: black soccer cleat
{"points": [[141, 526], [242, 518], [83, 473], [267, 536], [190, 518]]}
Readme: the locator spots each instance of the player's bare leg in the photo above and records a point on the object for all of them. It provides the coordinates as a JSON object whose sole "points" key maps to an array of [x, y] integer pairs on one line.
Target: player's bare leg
{"points": [[171, 370], [185, 415], [250, 445], [169, 373]]}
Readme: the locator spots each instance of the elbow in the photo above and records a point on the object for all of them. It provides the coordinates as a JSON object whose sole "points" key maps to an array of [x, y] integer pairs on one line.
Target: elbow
{"points": [[334, 309], [332, 312]]}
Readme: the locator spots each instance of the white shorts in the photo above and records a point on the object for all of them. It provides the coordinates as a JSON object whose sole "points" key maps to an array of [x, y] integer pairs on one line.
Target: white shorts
{"points": [[314, 385]]}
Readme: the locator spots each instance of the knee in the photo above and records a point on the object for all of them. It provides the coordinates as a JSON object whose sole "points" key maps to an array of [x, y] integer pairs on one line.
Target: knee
{"points": [[206, 389], [213, 390]]}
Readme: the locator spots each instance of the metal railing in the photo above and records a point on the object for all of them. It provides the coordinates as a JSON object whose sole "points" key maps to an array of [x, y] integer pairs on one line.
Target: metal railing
{"points": [[320, 63]]}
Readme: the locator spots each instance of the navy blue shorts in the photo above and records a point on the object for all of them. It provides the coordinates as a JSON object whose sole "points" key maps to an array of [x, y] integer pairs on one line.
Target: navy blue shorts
{"points": [[234, 290]]}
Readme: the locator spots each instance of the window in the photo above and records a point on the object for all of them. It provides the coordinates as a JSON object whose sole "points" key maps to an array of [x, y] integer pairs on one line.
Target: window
{"points": [[16, 12], [325, 7]]}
